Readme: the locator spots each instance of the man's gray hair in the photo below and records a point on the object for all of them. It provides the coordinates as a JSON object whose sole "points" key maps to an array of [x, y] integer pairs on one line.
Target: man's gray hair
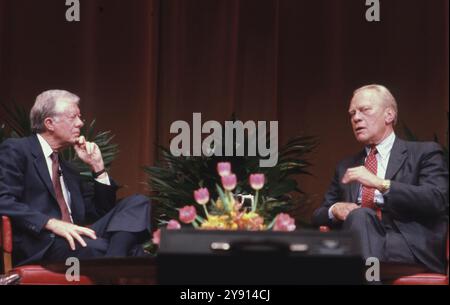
{"points": [[45, 106], [384, 94]]}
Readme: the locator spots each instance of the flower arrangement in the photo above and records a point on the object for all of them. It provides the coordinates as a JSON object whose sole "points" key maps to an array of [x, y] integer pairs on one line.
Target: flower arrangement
{"points": [[228, 212], [172, 180]]}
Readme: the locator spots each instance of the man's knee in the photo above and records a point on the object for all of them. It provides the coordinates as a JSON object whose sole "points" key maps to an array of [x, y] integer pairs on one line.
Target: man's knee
{"points": [[140, 198], [94, 248], [88, 252], [136, 206], [136, 199], [360, 215]]}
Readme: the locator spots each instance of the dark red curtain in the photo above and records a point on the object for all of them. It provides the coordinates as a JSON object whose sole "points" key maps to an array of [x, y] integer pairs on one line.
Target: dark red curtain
{"points": [[140, 65]]}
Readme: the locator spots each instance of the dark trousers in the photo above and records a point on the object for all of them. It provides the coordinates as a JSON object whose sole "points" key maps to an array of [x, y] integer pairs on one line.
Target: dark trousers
{"points": [[377, 238], [381, 239], [131, 215]]}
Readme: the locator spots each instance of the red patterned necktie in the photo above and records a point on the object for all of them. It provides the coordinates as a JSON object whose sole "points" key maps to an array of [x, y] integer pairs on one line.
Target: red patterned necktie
{"points": [[368, 193], [65, 216]]}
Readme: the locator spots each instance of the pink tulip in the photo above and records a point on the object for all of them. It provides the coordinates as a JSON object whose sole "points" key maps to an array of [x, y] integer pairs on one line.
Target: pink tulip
{"points": [[229, 182], [173, 225], [257, 181], [187, 214], [284, 222], [201, 195], [156, 237], [224, 168]]}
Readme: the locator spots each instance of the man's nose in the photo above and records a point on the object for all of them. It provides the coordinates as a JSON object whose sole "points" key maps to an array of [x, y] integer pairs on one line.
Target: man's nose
{"points": [[356, 117], [80, 122]]}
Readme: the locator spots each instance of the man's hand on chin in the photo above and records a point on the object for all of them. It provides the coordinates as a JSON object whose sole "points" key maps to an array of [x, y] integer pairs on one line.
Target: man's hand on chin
{"points": [[89, 153]]}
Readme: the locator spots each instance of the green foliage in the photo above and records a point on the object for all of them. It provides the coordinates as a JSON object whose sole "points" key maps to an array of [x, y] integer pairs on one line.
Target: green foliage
{"points": [[16, 123], [173, 180]]}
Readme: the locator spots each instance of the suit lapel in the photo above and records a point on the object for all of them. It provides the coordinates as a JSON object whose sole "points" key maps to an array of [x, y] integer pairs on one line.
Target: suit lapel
{"points": [[396, 159], [354, 186], [41, 164]]}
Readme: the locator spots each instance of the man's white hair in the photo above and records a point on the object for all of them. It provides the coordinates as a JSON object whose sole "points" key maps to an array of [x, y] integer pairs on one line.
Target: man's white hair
{"points": [[384, 94], [45, 106]]}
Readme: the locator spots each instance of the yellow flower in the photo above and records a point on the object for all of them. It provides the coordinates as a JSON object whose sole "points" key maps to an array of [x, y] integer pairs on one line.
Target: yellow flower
{"points": [[250, 215], [216, 222], [219, 204], [250, 221]]}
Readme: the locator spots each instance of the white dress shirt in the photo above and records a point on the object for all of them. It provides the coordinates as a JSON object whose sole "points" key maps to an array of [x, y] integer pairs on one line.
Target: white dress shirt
{"points": [[383, 155], [47, 154]]}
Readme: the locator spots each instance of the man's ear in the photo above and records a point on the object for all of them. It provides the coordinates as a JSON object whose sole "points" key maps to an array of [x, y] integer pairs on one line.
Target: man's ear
{"points": [[389, 115], [49, 124]]}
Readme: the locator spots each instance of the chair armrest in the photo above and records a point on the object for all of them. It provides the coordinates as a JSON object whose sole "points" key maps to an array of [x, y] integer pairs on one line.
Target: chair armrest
{"points": [[6, 234], [6, 243]]}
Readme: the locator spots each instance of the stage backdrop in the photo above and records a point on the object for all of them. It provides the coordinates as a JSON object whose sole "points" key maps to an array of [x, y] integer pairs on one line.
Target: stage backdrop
{"points": [[140, 65]]}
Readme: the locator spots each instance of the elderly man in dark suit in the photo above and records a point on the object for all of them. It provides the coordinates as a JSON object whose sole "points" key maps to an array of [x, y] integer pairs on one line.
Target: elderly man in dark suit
{"points": [[49, 204], [393, 194]]}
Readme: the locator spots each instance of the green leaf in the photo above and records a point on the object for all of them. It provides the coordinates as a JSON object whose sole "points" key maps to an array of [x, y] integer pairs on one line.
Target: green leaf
{"points": [[224, 198]]}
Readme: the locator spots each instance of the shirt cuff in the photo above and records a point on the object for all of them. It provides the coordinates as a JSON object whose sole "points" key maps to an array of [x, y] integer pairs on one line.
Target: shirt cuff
{"points": [[104, 179], [330, 214]]}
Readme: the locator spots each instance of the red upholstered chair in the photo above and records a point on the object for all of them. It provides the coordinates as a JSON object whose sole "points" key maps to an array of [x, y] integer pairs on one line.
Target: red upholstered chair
{"points": [[95, 271], [424, 278], [415, 279]]}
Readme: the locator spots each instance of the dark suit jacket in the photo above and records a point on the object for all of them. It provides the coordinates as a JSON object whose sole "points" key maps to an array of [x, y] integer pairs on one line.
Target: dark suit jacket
{"points": [[28, 198], [417, 200]]}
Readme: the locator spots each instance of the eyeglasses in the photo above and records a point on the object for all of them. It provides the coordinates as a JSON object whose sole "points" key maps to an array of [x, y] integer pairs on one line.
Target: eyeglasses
{"points": [[71, 117]]}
